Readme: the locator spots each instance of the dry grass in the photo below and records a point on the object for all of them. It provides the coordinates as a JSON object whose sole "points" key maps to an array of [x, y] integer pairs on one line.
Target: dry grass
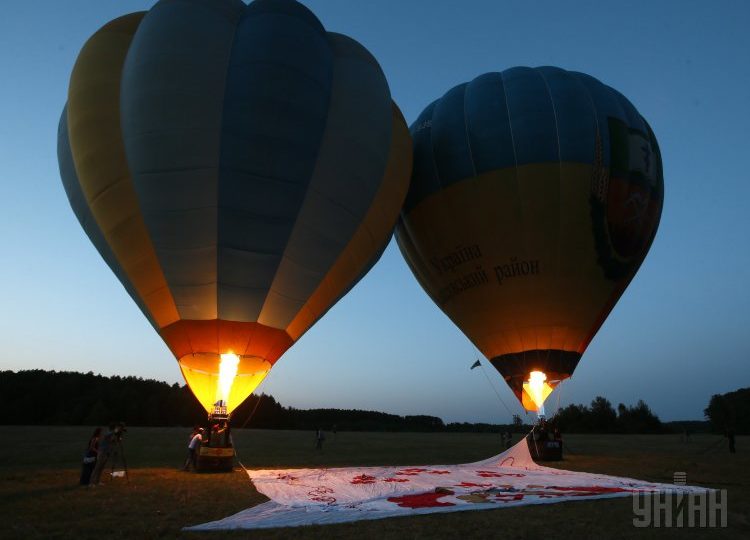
{"points": [[39, 497]]}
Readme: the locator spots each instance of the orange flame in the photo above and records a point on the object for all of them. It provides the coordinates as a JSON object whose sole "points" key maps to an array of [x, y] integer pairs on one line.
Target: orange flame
{"points": [[227, 372], [535, 391]]}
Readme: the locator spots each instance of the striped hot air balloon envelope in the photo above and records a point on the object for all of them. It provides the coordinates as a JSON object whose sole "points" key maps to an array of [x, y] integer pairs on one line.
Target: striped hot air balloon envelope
{"points": [[535, 196], [239, 169]]}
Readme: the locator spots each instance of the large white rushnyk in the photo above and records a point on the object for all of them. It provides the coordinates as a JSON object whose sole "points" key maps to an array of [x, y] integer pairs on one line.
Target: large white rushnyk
{"points": [[322, 496]]}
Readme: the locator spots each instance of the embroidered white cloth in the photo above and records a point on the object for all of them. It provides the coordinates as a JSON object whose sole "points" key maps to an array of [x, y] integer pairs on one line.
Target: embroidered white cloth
{"points": [[322, 496]]}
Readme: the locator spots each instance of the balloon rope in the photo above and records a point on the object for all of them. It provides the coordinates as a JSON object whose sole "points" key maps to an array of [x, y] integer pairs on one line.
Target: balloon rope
{"points": [[559, 393], [494, 389], [712, 446], [237, 455], [536, 447], [252, 413]]}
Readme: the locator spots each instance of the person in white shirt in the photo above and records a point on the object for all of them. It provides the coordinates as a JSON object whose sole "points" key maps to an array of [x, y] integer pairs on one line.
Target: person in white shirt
{"points": [[195, 441]]}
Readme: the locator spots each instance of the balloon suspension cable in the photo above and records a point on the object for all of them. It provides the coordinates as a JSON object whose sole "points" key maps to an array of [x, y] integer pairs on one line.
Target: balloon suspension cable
{"points": [[557, 405], [713, 445], [252, 413], [533, 439], [566, 446], [247, 420], [494, 389]]}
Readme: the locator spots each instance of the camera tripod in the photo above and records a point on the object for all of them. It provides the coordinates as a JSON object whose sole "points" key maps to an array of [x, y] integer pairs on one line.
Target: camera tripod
{"points": [[118, 453]]}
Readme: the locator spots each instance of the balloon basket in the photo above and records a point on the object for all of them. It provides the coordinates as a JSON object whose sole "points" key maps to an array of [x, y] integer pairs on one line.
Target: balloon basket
{"points": [[215, 459], [542, 448], [216, 453]]}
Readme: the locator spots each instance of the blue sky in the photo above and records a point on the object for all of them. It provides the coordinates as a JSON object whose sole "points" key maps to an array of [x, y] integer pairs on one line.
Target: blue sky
{"points": [[677, 336]]}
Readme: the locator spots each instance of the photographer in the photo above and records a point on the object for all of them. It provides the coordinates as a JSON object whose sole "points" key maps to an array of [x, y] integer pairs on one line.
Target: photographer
{"points": [[119, 432]]}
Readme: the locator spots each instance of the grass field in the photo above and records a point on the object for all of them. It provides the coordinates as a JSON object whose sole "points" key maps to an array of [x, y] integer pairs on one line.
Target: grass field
{"points": [[40, 498]]}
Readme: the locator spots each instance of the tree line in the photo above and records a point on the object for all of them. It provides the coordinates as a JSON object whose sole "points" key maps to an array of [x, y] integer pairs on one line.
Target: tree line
{"points": [[730, 412], [601, 417], [40, 397]]}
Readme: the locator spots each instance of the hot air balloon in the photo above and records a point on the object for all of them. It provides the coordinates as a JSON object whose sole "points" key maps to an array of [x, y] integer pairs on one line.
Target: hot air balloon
{"points": [[239, 169], [535, 195]]}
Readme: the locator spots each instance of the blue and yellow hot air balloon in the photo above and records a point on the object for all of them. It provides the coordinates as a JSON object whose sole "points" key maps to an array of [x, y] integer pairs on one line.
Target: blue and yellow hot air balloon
{"points": [[535, 196], [239, 169]]}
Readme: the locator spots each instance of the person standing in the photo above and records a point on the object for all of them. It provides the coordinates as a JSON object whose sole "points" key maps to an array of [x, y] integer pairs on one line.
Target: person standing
{"points": [[730, 436], [319, 438], [222, 434], [196, 438], [103, 454], [89, 457]]}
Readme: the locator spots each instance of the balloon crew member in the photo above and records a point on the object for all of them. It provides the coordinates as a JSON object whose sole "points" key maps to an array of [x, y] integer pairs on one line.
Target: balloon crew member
{"points": [[103, 455], [221, 433], [319, 438], [213, 436], [196, 439], [89, 457]]}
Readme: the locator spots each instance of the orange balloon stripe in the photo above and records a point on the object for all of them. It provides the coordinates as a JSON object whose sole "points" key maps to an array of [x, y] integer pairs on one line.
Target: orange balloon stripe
{"points": [[217, 336]]}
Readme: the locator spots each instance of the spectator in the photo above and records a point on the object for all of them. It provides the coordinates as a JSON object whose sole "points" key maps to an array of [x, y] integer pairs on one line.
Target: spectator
{"points": [[89, 457], [730, 436], [103, 454], [319, 438]]}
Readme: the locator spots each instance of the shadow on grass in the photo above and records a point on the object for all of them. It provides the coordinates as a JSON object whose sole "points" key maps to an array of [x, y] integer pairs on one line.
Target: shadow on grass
{"points": [[23, 493]]}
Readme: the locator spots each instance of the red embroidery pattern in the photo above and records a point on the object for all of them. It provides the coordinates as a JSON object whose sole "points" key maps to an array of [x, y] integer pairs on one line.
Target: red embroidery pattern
{"points": [[395, 479], [508, 497], [319, 494], [363, 479], [412, 471], [422, 500], [324, 499], [436, 471]]}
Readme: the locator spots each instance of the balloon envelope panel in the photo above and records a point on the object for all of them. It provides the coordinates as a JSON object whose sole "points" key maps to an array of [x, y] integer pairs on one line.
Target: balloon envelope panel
{"points": [[218, 149], [535, 196]]}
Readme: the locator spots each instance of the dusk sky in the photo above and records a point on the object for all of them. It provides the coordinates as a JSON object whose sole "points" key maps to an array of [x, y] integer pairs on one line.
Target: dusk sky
{"points": [[678, 335]]}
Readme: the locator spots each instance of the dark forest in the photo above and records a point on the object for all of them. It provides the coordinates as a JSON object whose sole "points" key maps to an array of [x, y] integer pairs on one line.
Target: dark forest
{"points": [[39, 397]]}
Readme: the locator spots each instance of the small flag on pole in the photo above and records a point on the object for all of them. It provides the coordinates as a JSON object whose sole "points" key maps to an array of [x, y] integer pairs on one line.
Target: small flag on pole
{"points": [[475, 364]]}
